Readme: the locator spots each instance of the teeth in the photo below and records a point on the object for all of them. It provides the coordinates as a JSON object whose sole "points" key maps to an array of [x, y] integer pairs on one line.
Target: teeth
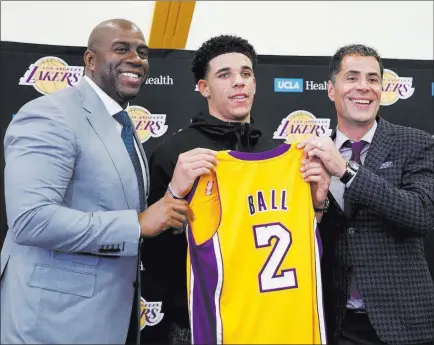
{"points": [[240, 97], [362, 101], [130, 75]]}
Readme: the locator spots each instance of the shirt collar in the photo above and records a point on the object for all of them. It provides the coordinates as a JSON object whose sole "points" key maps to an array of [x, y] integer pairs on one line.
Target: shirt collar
{"points": [[110, 104], [341, 138]]}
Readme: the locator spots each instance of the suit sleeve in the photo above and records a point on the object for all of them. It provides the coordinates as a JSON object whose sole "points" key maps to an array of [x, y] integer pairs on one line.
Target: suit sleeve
{"points": [[40, 154], [409, 206]]}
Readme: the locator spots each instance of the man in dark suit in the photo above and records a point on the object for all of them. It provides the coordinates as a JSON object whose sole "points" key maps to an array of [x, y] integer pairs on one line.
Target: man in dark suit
{"points": [[376, 281]]}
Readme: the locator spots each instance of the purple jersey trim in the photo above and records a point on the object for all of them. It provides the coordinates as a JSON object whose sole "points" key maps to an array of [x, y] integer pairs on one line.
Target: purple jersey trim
{"points": [[204, 266], [193, 190], [258, 156], [205, 269]]}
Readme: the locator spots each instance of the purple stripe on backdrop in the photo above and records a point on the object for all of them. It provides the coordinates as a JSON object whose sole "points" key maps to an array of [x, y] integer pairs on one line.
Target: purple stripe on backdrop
{"points": [[319, 241], [204, 266], [257, 156]]}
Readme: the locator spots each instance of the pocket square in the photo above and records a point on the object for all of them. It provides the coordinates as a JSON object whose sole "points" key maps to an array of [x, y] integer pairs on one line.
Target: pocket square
{"points": [[386, 165]]}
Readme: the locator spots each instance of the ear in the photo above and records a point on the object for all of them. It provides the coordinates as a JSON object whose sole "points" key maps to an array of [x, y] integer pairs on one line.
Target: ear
{"points": [[204, 88], [254, 85], [331, 90], [89, 60]]}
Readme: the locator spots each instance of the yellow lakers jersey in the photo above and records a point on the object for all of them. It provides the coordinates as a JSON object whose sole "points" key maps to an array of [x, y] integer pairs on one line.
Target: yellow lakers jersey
{"points": [[253, 272]]}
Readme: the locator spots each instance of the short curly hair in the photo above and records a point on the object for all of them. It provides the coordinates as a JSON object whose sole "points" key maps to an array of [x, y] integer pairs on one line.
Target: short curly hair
{"points": [[216, 46]]}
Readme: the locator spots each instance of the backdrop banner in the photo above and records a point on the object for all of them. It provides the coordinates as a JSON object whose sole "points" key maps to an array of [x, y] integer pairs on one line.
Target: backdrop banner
{"points": [[287, 88]]}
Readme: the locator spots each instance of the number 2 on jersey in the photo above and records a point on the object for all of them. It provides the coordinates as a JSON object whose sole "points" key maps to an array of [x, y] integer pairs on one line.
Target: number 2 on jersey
{"points": [[269, 280]]}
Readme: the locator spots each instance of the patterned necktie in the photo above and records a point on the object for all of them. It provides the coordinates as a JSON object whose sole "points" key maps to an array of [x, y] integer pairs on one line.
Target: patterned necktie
{"points": [[356, 148], [127, 135]]}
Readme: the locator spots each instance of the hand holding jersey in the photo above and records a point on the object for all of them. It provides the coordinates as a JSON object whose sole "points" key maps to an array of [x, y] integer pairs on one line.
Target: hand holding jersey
{"points": [[164, 214], [191, 165], [325, 149], [314, 171]]}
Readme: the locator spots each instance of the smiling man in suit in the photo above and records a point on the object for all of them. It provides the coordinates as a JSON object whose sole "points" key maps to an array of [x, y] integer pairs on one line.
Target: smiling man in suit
{"points": [[76, 184], [375, 277]]}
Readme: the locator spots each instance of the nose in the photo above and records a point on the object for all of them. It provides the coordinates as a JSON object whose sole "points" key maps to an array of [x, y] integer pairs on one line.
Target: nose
{"points": [[363, 85], [238, 80], [134, 58]]}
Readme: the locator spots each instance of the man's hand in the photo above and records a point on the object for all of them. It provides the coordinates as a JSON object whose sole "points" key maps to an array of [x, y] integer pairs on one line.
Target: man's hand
{"points": [[314, 171], [325, 149], [191, 165], [164, 214]]}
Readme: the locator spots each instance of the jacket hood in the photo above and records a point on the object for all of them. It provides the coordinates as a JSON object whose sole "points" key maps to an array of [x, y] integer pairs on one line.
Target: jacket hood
{"points": [[214, 126]]}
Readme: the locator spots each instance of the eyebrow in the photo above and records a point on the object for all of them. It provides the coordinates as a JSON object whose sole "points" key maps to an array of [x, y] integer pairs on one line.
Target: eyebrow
{"points": [[226, 69], [140, 46], [358, 72]]}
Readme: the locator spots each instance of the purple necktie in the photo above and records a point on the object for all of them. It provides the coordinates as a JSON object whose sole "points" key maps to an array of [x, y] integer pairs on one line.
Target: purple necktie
{"points": [[356, 148]]}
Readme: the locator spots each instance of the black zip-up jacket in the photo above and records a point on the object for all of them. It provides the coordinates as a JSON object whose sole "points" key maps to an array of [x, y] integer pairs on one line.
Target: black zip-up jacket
{"points": [[164, 257]]}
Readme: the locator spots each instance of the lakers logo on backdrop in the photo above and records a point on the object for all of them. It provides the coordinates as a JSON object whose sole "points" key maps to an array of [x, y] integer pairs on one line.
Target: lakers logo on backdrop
{"points": [[50, 74], [395, 87], [150, 313], [300, 124], [147, 125]]}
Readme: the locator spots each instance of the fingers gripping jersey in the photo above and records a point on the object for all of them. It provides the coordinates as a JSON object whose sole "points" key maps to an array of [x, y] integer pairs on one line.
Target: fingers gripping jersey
{"points": [[253, 259]]}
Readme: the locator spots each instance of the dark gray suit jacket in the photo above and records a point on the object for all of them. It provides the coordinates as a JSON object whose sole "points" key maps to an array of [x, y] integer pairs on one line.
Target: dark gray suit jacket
{"points": [[382, 240]]}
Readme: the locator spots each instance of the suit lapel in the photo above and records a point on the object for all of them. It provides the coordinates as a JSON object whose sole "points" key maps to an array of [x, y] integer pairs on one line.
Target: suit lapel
{"points": [[380, 147], [382, 143], [334, 204], [104, 127]]}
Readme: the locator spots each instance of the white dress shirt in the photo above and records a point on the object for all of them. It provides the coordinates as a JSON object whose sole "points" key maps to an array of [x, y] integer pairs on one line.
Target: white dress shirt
{"points": [[337, 188], [113, 108]]}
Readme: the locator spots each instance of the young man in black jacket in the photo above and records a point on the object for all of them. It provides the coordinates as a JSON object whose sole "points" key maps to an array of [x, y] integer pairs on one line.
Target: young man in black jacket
{"points": [[229, 91], [223, 68]]}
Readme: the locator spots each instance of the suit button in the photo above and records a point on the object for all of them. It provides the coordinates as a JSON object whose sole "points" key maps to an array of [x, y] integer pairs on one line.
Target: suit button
{"points": [[351, 231]]}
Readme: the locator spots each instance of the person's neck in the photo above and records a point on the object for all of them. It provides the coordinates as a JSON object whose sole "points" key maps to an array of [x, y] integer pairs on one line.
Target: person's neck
{"points": [[354, 132], [217, 115], [122, 104]]}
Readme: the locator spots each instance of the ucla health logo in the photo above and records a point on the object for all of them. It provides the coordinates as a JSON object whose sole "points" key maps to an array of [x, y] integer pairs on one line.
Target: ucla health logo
{"points": [[288, 85]]}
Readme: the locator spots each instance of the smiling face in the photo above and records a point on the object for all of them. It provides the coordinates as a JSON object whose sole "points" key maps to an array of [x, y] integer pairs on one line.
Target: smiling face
{"points": [[230, 87], [356, 91], [118, 62]]}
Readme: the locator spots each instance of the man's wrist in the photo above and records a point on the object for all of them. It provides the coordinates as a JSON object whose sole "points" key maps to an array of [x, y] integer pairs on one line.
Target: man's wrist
{"points": [[172, 193], [342, 170], [323, 208]]}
